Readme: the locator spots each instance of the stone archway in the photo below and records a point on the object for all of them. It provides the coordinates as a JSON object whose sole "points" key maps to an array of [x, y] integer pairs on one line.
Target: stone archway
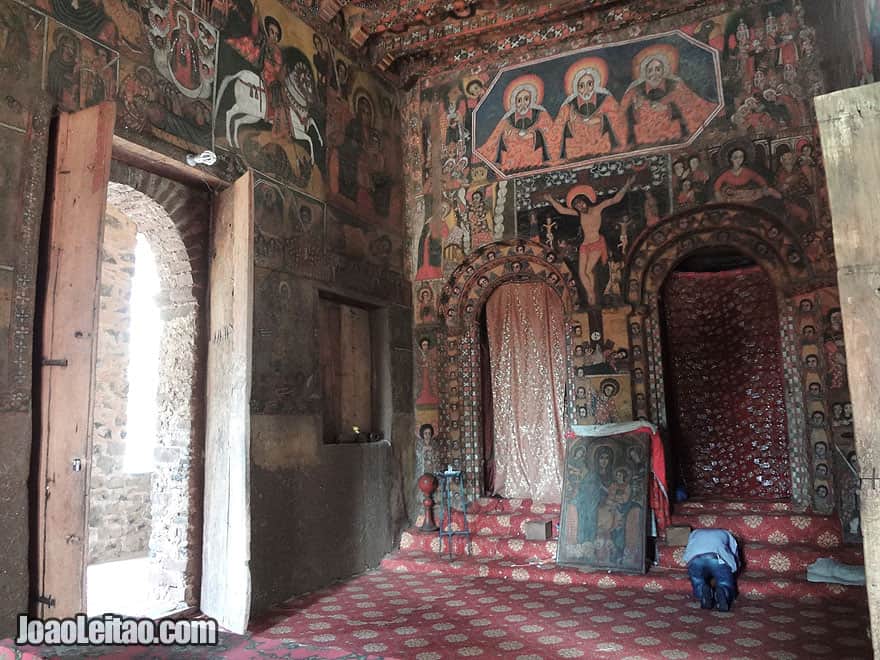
{"points": [[174, 220], [770, 243], [461, 303]]}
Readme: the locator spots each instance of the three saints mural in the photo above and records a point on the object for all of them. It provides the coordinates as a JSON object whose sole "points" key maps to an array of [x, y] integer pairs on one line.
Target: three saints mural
{"points": [[625, 98]]}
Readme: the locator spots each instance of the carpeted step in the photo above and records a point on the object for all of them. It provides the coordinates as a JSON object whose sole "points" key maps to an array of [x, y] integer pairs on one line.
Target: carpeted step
{"points": [[755, 585], [514, 549], [503, 505], [497, 523], [770, 528], [786, 561], [726, 506]]}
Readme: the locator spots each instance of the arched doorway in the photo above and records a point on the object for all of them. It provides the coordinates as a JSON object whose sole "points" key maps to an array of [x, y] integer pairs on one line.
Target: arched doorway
{"points": [[145, 482], [725, 388], [764, 240], [462, 302]]}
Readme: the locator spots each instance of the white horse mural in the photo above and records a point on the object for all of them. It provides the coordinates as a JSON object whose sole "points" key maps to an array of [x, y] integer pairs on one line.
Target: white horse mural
{"points": [[251, 104]]}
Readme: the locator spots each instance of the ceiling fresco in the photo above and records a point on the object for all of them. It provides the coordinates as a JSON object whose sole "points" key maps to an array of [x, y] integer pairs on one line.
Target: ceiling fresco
{"points": [[409, 38]]}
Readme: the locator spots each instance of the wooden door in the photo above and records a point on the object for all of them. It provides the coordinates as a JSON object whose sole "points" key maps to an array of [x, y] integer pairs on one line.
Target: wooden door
{"points": [[226, 581], [69, 335]]}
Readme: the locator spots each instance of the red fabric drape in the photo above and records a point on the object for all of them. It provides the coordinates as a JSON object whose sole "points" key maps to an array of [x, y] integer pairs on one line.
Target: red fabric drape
{"points": [[659, 492], [527, 352]]}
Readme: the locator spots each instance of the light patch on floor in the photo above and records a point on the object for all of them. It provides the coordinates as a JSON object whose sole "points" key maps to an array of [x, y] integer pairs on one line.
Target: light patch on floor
{"points": [[123, 587]]}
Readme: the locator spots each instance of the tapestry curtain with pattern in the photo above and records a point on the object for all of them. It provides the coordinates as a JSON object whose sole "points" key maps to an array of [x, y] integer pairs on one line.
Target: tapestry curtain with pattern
{"points": [[526, 331]]}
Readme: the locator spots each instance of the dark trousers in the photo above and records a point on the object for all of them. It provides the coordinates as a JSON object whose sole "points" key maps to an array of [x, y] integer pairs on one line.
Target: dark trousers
{"points": [[702, 569]]}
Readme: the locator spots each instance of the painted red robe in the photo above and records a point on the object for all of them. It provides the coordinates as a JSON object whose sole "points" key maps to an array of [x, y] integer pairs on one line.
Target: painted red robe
{"points": [[665, 114], [185, 61], [589, 128], [730, 183], [521, 141]]}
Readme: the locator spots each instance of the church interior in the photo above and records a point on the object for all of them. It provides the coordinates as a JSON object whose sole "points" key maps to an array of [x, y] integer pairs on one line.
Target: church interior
{"points": [[428, 329]]}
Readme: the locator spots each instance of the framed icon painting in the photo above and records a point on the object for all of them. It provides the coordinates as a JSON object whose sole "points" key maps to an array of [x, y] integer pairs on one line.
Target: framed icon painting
{"points": [[604, 514]]}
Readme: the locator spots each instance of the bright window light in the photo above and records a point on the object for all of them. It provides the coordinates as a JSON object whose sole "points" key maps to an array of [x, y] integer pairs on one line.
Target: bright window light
{"points": [[143, 363]]}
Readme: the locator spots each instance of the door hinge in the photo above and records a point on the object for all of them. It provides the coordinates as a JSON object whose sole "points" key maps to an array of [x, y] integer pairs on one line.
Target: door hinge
{"points": [[49, 601], [52, 362]]}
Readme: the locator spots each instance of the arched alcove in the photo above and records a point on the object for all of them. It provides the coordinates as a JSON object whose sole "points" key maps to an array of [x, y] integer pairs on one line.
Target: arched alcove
{"points": [[767, 242], [462, 301]]}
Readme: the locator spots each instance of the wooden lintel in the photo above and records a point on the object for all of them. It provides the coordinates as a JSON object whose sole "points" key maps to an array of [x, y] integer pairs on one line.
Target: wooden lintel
{"points": [[126, 151]]}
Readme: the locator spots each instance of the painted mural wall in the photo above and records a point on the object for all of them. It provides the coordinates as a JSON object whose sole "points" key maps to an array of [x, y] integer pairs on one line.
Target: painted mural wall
{"points": [[256, 83], [586, 147]]}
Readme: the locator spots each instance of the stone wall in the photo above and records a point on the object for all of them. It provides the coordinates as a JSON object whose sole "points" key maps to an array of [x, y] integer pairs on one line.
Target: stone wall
{"points": [[119, 502]]}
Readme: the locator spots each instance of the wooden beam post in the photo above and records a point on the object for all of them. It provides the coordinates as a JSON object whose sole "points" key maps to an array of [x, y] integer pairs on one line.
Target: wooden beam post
{"points": [[849, 123]]}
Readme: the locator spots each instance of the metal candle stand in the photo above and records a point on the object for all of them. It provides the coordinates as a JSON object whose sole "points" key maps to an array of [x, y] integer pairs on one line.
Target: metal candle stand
{"points": [[446, 526]]}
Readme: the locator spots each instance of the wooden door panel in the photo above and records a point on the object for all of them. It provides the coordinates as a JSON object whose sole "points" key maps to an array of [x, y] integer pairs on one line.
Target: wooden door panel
{"points": [[226, 584], [69, 335]]}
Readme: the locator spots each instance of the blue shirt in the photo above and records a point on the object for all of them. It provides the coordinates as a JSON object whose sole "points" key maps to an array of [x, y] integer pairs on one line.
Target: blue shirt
{"points": [[717, 542]]}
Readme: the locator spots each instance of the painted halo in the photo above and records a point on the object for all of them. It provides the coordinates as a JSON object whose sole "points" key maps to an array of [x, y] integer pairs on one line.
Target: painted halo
{"points": [[577, 191], [530, 82], [666, 53]]}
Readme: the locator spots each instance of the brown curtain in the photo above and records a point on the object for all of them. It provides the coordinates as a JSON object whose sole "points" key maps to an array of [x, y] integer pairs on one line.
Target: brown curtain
{"points": [[527, 352]]}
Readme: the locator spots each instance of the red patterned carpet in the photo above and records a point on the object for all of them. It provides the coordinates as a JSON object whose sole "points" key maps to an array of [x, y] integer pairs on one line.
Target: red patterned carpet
{"points": [[509, 600], [426, 617]]}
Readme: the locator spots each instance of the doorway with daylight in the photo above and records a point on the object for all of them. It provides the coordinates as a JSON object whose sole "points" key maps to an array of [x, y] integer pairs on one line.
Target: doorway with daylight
{"points": [[145, 482], [142, 440]]}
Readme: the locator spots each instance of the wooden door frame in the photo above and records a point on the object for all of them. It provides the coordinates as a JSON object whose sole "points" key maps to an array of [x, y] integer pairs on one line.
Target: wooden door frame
{"points": [[226, 577], [112, 147]]}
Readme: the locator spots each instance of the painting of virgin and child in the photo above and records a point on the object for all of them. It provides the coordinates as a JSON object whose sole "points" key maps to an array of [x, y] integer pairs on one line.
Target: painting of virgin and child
{"points": [[604, 503]]}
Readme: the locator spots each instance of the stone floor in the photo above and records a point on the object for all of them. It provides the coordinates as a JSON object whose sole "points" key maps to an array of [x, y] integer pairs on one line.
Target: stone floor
{"points": [[123, 587]]}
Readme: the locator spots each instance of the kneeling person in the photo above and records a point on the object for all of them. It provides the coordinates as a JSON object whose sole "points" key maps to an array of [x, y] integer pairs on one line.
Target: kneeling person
{"points": [[711, 556]]}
